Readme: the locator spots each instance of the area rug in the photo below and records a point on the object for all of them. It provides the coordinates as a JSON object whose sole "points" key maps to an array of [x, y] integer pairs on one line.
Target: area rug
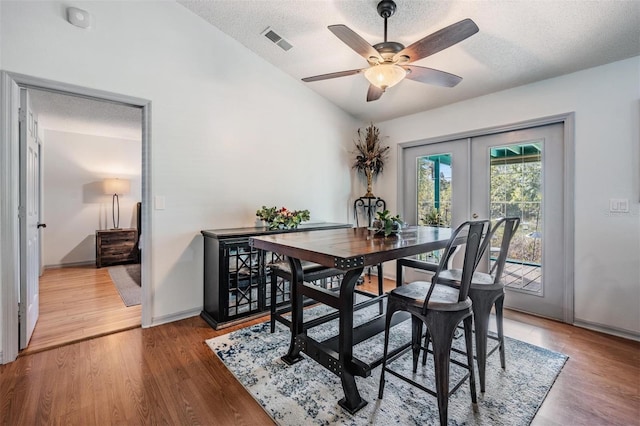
{"points": [[127, 280], [306, 393]]}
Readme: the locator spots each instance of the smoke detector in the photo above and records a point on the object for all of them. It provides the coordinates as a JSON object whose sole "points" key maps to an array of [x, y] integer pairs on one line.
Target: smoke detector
{"points": [[78, 17]]}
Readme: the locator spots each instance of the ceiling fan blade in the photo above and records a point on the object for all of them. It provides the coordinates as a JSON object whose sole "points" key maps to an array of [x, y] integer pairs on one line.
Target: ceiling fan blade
{"points": [[354, 41], [374, 93], [331, 75], [431, 76], [439, 40]]}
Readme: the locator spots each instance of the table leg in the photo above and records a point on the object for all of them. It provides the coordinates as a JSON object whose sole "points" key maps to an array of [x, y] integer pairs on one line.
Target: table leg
{"points": [[293, 355], [352, 402]]}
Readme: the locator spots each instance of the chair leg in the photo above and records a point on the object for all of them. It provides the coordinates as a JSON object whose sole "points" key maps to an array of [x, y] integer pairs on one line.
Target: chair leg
{"points": [[442, 340], [481, 326], [274, 289], [380, 288], [416, 337], [468, 327], [391, 307], [499, 326], [427, 339]]}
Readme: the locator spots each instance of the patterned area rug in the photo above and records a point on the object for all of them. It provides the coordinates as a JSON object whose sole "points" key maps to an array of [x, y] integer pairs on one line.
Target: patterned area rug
{"points": [[127, 280], [306, 393]]}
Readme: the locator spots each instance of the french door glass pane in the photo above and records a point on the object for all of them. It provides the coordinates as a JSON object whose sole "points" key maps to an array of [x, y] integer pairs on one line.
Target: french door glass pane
{"points": [[434, 190], [516, 190], [434, 180]]}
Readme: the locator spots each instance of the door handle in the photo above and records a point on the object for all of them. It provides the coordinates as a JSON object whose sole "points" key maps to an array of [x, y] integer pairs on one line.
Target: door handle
{"points": [[475, 215], [42, 225]]}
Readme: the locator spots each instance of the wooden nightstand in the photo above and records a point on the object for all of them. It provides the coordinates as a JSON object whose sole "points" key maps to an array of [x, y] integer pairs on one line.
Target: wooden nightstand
{"points": [[116, 246]]}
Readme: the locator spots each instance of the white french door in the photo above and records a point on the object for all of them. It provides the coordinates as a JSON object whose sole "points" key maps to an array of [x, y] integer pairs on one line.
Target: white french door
{"points": [[520, 173], [516, 173], [436, 190]]}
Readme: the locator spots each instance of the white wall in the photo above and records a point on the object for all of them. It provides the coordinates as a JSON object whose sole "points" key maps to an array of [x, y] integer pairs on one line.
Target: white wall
{"points": [[74, 206], [229, 132], [606, 102]]}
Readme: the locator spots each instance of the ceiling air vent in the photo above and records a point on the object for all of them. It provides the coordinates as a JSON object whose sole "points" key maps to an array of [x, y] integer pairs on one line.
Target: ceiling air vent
{"points": [[275, 37]]}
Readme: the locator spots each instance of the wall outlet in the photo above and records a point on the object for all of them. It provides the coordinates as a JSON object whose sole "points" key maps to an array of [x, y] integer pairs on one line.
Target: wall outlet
{"points": [[619, 205]]}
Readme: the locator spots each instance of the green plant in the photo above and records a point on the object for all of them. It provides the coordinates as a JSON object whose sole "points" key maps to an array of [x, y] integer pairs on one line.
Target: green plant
{"points": [[387, 224], [282, 218], [434, 218]]}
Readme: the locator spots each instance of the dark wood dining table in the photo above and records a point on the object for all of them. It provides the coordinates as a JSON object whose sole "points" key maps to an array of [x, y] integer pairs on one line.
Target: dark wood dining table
{"points": [[350, 250]]}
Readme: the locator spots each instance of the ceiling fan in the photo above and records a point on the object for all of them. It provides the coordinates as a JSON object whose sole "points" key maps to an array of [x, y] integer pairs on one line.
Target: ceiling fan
{"points": [[389, 61]]}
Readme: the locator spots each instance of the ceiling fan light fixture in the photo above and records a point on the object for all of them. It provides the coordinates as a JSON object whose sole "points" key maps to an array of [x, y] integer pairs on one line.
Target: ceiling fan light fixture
{"points": [[385, 75], [389, 60]]}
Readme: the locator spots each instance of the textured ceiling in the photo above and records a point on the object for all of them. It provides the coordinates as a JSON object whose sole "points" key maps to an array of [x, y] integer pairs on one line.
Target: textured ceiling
{"points": [[86, 116], [520, 41]]}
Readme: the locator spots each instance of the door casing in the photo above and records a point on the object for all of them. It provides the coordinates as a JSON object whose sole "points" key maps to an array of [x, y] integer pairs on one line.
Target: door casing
{"points": [[568, 200], [9, 176]]}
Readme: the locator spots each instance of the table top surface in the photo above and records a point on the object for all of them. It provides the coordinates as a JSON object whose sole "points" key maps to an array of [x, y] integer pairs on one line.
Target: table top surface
{"points": [[356, 247]]}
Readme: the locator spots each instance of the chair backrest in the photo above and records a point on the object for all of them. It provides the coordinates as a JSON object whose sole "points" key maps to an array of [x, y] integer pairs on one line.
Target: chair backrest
{"points": [[511, 225], [469, 234]]}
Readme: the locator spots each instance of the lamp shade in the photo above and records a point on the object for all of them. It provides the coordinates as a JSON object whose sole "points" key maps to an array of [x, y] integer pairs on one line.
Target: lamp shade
{"points": [[385, 75], [116, 186]]}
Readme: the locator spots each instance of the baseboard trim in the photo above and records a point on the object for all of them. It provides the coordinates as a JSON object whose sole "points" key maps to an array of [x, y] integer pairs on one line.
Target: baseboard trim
{"points": [[626, 334], [1, 358], [164, 319], [71, 265]]}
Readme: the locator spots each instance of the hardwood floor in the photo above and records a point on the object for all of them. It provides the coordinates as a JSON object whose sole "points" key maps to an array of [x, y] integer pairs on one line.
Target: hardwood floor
{"points": [[167, 374], [78, 303]]}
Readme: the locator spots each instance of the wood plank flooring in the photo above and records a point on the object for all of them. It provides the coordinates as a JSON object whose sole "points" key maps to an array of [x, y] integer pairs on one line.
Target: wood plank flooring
{"points": [[78, 303], [167, 374]]}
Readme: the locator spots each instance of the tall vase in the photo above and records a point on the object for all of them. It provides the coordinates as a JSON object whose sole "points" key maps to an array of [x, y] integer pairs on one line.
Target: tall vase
{"points": [[369, 173]]}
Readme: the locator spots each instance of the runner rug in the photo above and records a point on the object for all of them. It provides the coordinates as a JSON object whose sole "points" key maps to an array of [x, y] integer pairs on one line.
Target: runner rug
{"points": [[126, 278]]}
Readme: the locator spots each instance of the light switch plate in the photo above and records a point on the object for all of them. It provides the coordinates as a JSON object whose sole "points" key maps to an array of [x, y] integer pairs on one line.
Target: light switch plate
{"points": [[158, 202], [619, 205]]}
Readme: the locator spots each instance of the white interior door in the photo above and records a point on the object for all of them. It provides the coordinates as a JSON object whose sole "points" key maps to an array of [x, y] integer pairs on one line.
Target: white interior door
{"points": [[29, 220], [521, 173]]}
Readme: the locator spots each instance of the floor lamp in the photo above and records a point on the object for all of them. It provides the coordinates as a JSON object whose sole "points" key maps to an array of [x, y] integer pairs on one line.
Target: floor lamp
{"points": [[116, 187]]}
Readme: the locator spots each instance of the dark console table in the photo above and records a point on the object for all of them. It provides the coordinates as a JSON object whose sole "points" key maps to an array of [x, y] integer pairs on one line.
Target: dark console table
{"points": [[236, 276]]}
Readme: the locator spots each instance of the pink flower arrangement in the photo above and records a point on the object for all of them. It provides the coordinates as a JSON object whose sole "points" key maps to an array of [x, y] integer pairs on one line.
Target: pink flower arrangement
{"points": [[282, 218]]}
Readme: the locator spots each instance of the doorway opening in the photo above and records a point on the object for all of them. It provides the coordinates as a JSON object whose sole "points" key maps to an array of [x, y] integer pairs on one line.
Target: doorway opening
{"points": [[89, 272], [12, 262]]}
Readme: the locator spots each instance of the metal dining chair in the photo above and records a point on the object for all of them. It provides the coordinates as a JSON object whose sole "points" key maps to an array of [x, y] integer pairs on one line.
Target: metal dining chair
{"points": [[441, 308], [486, 291]]}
